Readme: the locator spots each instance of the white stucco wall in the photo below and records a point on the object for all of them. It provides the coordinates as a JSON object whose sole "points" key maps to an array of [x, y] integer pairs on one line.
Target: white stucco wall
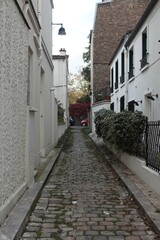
{"points": [[60, 82], [13, 93], [46, 110], [145, 81], [95, 108], [33, 108], [46, 79], [46, 24]]}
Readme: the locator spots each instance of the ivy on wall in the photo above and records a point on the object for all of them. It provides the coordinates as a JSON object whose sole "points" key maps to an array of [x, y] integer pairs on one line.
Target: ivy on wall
{"points": [[124, 130]]}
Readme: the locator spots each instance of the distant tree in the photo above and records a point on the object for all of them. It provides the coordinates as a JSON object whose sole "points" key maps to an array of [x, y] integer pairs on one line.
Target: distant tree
{"points": [[78, 84], [84, 99], [77, 87], [86, 71]]}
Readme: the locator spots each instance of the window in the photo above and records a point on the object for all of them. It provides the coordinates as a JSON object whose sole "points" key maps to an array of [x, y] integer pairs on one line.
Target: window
{"points": [[112, 106], [144, 49], [112, 80], [131, 68], [122, 103], [122, 68], [131, 106], [116, 75]]}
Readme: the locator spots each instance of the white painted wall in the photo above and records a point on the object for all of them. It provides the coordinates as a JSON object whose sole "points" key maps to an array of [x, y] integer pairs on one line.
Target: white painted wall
{"points": [[145, 81], [46, 24], [13, 94], [26, 126], [46, 79], [60, 83], [138, 166], [95, 108]]}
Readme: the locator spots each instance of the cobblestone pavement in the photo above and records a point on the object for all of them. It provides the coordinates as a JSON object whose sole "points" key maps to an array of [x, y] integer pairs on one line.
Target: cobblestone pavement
{"points": [[84, 199]]}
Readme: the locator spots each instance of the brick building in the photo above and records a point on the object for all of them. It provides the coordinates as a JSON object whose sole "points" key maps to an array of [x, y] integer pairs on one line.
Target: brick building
{"points": [[113, 18]]}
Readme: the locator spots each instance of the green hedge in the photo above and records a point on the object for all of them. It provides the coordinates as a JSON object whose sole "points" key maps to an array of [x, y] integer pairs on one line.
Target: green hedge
{"points": [[123, 130]]}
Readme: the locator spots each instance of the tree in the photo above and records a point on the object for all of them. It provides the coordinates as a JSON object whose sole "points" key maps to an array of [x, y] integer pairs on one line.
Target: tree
{"points": [[79, 83], [77, 87], [86, 71]]}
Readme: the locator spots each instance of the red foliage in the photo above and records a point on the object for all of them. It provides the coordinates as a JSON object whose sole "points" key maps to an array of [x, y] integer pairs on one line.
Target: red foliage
{"points": [[79, 109]]}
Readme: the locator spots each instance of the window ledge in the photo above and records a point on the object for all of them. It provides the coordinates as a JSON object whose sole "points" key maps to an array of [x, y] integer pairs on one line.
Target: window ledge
{"points": [[131, 79], [145, 67], [122, 85], [31, 109], [116, 90]]}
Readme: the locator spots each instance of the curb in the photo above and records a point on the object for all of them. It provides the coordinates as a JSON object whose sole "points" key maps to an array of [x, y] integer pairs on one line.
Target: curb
{"points": [[14, 225], [148, 209]]}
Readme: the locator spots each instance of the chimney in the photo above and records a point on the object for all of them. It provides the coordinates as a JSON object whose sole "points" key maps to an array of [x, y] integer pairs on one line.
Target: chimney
{"points": [[107, 1], [62, 52]]}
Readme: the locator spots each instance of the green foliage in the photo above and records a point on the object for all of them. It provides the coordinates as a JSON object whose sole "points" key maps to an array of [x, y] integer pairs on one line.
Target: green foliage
{"points": [[123, 130], [86, 71], [86, 55], [83, 99], [99, 121]]}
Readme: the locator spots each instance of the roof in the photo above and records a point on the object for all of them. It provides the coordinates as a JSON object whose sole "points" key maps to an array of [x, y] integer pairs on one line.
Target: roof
{"points": [[126, 35], [144, 16]]}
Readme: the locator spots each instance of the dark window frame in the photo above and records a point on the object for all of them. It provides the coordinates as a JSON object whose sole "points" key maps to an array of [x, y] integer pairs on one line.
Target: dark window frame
{"points": [[144, 59], [122, 103], [116, 74], [131, 63], [112, 106], [122, 77], [131, 106], [112, 80]]}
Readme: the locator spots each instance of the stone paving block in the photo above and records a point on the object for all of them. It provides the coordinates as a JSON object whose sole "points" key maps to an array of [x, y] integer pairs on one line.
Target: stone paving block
{"points": [[84, 199]]}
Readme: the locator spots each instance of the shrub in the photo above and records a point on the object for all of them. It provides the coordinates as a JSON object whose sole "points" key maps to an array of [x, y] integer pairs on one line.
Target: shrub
{"points": [[99, 120], [123, 130]]}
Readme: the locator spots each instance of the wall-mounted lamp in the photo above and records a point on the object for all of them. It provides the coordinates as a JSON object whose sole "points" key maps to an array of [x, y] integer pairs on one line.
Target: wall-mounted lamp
{"points": [[61, 31], [137, 102], [152, 97]]}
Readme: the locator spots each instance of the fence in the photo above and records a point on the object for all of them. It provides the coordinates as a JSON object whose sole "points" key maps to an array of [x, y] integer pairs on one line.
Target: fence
{"points": [[153, 145]]}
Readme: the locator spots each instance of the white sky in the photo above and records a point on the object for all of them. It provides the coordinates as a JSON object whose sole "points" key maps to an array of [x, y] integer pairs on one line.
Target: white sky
{"points": [[77, 17]]}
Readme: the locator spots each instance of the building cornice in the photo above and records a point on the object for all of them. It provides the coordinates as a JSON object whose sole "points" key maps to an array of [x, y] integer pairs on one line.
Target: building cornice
{"points": [[34, 13], [21, 12], [144, 16], [52, 3], [47, 53]]}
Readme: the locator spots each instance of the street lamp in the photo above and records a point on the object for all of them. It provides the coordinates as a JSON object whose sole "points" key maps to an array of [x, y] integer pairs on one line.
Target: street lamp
{"points": [[61, 30]]}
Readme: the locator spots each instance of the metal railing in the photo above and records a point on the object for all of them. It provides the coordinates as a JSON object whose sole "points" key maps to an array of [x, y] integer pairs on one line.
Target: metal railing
{"points": [[131, 73], [153, 145], [122, 78], [143, 61]]}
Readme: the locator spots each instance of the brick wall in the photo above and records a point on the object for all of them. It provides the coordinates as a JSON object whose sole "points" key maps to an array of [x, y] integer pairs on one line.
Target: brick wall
{"points": [[112, 21]]}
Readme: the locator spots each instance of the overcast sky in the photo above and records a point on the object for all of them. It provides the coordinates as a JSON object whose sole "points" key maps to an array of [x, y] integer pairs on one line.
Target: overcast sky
{"points": [[77, 17]]}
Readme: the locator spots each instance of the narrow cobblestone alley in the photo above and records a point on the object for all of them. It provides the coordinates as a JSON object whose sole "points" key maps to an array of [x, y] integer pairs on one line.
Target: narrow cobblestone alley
{"points": [[84, 199]]}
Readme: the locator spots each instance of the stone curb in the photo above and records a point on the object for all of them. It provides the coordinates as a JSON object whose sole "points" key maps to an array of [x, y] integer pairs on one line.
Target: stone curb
{"points": [[14, 225], [148, 209]]}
